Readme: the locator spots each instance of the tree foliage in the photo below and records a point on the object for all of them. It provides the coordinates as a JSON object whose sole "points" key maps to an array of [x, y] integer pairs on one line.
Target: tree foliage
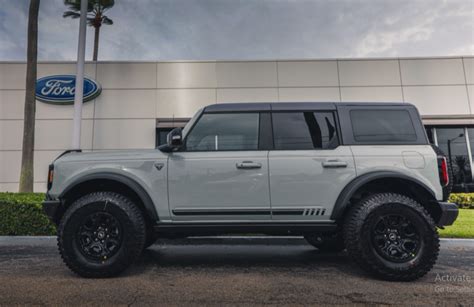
{"points": [[95, 16]]}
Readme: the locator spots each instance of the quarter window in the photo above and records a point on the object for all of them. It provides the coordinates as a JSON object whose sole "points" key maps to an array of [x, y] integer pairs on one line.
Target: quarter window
{"points": [[304, 130], [382, 126], [224, 132]]}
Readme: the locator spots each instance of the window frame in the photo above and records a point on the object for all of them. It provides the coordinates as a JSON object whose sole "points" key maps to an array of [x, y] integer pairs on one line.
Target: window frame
{"points": [[259, 132], [336, 126]]}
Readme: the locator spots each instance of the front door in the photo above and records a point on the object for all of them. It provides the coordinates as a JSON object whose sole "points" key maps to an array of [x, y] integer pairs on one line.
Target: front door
{"points": [[220, 174], [308, 167]]}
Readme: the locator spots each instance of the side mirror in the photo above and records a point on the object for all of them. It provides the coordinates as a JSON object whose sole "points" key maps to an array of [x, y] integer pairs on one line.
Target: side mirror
{"points": [[174, 139]]}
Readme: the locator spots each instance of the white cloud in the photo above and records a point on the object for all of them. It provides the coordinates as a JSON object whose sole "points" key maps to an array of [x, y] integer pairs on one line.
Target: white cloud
{"points": [[250, 29]]}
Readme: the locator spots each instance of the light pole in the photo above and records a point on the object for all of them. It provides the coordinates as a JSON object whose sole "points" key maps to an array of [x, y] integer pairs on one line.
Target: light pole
{"points": [[78, 95]]}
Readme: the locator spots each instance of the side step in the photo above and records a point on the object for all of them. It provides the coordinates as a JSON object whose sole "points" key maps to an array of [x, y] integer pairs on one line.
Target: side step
{"points": [[200, 229]]}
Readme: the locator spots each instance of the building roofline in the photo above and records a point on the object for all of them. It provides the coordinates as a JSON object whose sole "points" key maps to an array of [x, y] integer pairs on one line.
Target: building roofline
{"points": [[253, 60]]}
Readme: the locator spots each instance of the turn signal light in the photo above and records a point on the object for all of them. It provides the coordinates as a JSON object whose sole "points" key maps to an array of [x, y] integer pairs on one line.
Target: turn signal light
{"points": [[50, 176]]}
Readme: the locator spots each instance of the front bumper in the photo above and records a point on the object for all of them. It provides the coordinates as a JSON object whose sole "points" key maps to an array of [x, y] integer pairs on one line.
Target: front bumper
{"points": [[52, 208], [449, 213]]}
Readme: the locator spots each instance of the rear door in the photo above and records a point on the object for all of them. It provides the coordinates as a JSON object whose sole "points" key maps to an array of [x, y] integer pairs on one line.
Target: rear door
{"points": [[308, 166]]}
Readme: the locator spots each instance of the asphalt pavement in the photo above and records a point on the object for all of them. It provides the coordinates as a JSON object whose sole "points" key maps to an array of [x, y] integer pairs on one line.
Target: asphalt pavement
{"points": [[228, 271]]}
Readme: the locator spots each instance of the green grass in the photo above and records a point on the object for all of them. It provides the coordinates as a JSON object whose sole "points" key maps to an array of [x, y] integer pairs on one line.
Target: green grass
{"points": [[463, 227]]}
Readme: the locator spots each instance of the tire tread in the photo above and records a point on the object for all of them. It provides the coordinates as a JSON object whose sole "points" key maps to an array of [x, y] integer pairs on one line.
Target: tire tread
{"points": [[354, 222], [136, 218]]}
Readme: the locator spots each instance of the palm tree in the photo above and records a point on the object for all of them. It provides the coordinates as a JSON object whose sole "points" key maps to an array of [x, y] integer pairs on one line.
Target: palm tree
{"points": [[27, 151], [95, 16]]}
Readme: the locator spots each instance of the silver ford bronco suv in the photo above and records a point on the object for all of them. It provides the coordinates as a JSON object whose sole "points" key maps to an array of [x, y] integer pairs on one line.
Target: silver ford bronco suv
{"points": [[355, 176]]}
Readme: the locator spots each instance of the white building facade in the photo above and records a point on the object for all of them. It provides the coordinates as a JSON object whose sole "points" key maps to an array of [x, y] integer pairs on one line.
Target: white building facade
{"points": [[141, 101]]}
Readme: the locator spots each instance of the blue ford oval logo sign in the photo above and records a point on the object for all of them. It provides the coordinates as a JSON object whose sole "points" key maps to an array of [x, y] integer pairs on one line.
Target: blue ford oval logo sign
{"points": [[60, 89]]}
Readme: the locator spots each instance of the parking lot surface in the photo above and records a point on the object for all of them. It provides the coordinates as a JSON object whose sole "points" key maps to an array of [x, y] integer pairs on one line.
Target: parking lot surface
{"points": [[228, 272]]}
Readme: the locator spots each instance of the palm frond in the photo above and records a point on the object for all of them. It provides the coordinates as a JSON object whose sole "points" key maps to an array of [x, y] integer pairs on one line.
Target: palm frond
{"points": [[107, 21], [75, 5], [71, 14], [95, 9]]}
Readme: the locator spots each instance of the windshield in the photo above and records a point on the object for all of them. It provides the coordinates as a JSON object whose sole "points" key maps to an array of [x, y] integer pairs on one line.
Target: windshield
{"points": [[191, 123]]}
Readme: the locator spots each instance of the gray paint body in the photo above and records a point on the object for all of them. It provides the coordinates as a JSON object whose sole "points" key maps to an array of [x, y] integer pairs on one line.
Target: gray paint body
{"points": [[208, 182]]}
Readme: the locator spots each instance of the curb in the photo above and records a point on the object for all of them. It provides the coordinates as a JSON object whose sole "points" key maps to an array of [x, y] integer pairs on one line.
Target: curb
{"points": [[214, 240]]}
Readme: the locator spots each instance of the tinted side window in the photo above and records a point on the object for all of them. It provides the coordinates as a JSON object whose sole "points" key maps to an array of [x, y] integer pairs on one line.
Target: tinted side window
{"points": [[382, 126], [232, 131], [304, 130]]}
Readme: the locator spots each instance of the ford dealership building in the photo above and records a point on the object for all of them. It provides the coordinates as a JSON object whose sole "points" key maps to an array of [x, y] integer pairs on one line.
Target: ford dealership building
{"points": [[140, 102]]}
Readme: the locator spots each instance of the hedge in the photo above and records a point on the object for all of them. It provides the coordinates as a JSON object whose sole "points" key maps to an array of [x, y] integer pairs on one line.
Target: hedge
{"points": [[464, 200], [21, 214]]}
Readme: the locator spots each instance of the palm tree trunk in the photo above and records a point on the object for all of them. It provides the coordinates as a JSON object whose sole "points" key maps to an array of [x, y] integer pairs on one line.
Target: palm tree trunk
{"points": [[27, 157], [96, 43]]}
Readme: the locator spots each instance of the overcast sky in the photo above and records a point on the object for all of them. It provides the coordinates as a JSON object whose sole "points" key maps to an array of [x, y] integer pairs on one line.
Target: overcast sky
{"points": [[249, 29]]}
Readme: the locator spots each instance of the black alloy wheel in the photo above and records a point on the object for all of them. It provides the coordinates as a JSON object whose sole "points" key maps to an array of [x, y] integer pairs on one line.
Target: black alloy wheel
{"points": [[99, 236], [396, 238]]}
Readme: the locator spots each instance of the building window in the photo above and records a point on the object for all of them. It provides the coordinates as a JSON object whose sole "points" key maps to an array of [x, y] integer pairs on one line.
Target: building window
{"points": [[165, 125], [456, 142]]}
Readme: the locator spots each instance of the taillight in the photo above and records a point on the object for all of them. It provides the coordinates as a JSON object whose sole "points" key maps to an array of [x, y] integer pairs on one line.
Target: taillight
{"points": [[443, 171], [50, 176]]}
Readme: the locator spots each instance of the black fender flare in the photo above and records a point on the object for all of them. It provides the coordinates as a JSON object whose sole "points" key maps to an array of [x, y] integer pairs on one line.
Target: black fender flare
{"points": [[342, 201], [123, 179]]}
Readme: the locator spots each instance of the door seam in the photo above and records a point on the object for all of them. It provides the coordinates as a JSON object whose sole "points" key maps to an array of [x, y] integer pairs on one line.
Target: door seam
{"points": [[269, 187]]}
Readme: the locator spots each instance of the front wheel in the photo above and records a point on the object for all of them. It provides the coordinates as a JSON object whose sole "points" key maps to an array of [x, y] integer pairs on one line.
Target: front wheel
{"points": [[101, 234], [391, 236]]}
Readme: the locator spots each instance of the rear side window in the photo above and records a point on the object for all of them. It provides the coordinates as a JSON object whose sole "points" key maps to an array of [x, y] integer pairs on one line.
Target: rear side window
{"points": [[382, 126], [304, 130], [224, 132]]}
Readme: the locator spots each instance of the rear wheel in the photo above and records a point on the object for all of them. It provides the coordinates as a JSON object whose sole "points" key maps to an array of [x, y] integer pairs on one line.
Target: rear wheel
{"points": [[326, 242], [101, 234], [391, 236]]}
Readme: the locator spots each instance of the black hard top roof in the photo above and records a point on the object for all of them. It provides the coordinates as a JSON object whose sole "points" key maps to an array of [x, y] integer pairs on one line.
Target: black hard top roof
{"points": [[293, 106]]}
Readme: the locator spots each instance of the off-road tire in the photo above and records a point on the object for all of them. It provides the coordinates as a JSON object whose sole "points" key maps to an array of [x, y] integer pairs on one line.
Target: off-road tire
{"points": [[129, 218], [327, 242], [359, 226]]}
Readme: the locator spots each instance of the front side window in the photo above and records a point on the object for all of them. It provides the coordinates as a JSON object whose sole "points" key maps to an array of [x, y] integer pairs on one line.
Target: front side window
{"points": [[383, 126], [304, 130], [224, 132]]}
